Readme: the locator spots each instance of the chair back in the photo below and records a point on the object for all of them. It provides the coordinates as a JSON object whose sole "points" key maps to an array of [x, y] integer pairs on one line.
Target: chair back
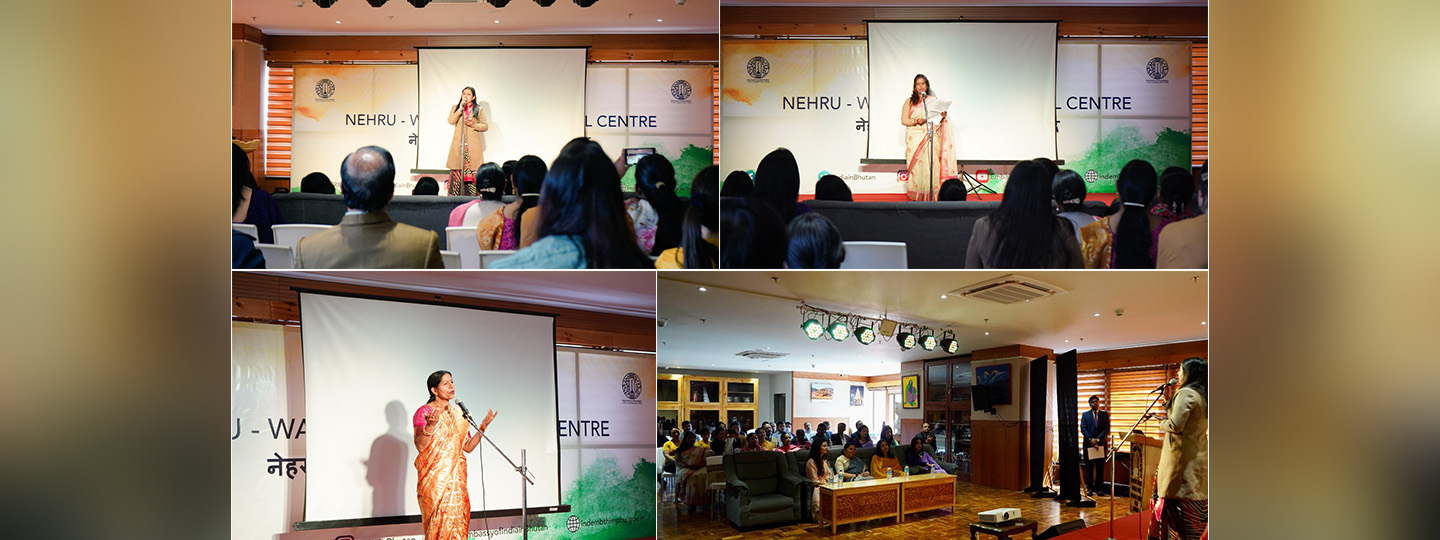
{"points": [[874, 256], [462, 241], [759, 470], [247, 228], [451, 258], [715, 469], [488, 257], [291, 233], [277, 257]]}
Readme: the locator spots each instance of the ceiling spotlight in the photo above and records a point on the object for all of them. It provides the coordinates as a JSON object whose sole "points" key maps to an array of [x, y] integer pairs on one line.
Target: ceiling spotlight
{"points": [[987, 333], [584, 3], [812, 328], [659, 20], [324, 3], [498, 3], [948, 343], [377, 3], [944, 296], [702, 289], [1097, 314], [419, 3], [928, 342], [865, 335], [906, 340], [838, 330], [545, 3], [1202, 323]]}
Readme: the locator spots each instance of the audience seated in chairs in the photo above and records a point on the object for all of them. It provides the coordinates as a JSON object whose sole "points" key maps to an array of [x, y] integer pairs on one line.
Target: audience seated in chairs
{"points": [[501, 228], [582, 216], [489, 182], [840, 436], [737, 184], [818, 471], [815, 243], [426, 186], [1068, 190], [366, 237], [884, 462], [243, 253], [952, 190], [862, 436], [832, 188], [692, 484], [849, 466], [657, 212], [1182, 244], [917, 461], [1123, 239], [753, 235], [699, 242], [1024, 232], [1176, 189], [318, 182], [777, 184], [257, 207]]}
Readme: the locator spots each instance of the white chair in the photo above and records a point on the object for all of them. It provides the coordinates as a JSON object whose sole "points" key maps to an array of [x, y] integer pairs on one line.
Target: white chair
{"points": [[489, 256], [462, 240], [451, 258], [715, 470], [667, 478], [290, 234], [247, 228], [277, 257], [874, 256]]}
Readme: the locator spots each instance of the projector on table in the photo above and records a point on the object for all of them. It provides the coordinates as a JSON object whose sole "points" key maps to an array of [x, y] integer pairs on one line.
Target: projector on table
{"points": [[999, 515]]}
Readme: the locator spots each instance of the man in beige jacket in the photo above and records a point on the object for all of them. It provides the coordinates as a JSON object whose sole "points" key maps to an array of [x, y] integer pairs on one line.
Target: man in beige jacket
{"points": [[366, 237]]}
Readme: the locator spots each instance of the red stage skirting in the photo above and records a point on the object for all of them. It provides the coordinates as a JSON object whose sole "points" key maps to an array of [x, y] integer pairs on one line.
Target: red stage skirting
{"points": [[900, 197], [1125, 529]]}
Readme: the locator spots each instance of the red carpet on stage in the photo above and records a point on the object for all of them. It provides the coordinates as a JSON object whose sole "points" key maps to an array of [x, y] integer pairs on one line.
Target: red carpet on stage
{"points": [[900, 197], [1126, 528]]}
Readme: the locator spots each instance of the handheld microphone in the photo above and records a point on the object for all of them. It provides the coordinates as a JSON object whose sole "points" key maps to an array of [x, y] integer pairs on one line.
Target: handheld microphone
{"points": [[1170, 382], [466, 413]]}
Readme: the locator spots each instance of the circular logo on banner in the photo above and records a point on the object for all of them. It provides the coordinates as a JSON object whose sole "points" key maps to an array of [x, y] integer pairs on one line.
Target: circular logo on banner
{"points": [[680, 90], [1091, 176], [572, 524], [630, 385], [758, 67], [1158, 68], [325, 88]]}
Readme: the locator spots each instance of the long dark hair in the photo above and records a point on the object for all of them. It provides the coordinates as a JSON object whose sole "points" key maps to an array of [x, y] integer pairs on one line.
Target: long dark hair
{"points": [[815, 243], [1028, 233], [474, 103], [1132, 237], [737, 184], [489, 181], [1068, 186], [751, 234], [1176, 188], [655, 180], [581, 197], [777, 182], [817, 456], [432, 381], [687, 441], [888, 452], [704, 212], [529, 178], [1196, 375], [915, 96]]}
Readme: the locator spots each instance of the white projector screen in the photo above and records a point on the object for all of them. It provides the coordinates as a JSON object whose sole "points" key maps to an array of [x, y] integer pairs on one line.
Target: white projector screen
{"points": [[534, 100], [1000, 76], [366, 364]]}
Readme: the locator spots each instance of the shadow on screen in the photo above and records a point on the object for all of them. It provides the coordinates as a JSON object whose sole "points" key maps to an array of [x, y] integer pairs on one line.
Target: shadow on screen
{"points": [[386, 467]]}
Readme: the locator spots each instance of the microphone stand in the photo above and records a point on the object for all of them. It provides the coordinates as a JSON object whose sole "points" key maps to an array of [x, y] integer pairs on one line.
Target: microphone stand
{"points": [[929, 141], [1111, 459], [525, 479]]}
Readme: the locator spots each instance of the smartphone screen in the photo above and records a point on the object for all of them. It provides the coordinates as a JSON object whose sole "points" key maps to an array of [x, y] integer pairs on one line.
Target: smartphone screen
{"points": [[633, 155]]}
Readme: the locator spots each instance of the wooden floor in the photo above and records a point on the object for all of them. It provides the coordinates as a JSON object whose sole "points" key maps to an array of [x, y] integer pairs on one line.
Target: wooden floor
{"points": [[969, 500]]}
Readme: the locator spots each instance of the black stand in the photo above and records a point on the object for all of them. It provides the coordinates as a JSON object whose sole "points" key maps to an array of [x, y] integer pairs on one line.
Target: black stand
{"points": [[929, 142], [525, 480], [973, 185], [1111, 459]]}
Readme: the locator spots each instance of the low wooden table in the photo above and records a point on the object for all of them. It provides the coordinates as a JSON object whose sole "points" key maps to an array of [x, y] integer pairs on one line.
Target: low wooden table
{"points": [[882, 498], [1006, 529]]}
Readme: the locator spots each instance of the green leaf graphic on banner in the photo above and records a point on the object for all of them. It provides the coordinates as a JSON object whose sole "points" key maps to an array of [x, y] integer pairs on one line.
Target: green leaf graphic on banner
{"points": [[692, 159], [624, 507], [1169, 148]]}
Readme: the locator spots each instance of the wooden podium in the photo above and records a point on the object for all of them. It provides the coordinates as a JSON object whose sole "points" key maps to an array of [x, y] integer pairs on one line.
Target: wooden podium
{"points": [[1144, 465]]}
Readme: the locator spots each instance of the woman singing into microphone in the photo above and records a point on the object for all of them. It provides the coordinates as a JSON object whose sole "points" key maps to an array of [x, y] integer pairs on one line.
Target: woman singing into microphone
{"points": [[440, 435], [465, 156], [918, 155]]}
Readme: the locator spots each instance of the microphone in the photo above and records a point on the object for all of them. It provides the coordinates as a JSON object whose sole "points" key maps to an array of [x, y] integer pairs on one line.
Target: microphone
{"points": [[466, 412], [1170, 382]]}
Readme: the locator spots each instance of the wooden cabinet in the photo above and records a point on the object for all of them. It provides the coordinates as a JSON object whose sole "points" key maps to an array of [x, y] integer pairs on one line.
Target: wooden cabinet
{"points": [[947, 409], [708, 400]]}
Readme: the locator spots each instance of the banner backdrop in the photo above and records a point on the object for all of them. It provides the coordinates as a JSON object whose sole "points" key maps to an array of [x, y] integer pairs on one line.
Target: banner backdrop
{"points": [[341, 108], [667, 108], [808, 96], [606, 414], [1119, 101]]}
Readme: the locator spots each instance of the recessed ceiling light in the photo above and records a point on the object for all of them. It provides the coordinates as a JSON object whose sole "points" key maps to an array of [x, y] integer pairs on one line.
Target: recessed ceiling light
{"points": [[337, 22], [1097, 314], [987, 333], [1202, 322], [943, 296], [497, 21], [702, 289], [1067, 341], [659, 20]]}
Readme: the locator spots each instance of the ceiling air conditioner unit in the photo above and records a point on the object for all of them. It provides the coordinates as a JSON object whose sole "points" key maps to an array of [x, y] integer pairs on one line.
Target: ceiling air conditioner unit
{"points": [[1009, 289], [763, 356]]}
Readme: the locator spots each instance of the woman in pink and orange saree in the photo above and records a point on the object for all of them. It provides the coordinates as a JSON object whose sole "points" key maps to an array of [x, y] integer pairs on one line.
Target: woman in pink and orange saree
{"points": [[442, 439], [919, 157]]}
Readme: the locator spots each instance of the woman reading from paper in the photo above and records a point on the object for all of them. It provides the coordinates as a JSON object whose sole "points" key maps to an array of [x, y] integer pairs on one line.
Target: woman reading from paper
{"points": [[919, 157], [441, 433], [465, 156]]}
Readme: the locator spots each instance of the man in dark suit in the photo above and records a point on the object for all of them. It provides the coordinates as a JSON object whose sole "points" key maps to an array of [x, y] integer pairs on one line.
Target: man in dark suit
{"points": [[1095, 425], [366, 236]]}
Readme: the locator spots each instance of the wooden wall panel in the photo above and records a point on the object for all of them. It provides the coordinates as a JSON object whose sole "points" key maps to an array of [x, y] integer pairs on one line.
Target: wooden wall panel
{"points": [[827, 376], [603, 47], [1000, 454], [1154, 355], [1073, 21], [272, 298], [1011, 351]]}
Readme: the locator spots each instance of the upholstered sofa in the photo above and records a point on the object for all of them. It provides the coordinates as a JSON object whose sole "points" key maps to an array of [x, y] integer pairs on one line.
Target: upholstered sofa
{"points": [[761, 488]]}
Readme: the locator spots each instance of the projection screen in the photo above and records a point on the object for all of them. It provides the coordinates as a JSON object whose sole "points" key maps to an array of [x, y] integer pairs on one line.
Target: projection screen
{"points": [[534, 100], [1000, 76], [366, 363]]}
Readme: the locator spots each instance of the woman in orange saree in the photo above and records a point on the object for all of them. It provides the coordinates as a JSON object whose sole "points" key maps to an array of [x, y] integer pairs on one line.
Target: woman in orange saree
{"points": [[442, 439], [919, 158]]}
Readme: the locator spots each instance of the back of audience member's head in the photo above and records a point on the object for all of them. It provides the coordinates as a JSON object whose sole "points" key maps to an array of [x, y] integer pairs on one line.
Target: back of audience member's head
{"points": [[529, 177], [701, 217], [752, 234], [581, 197], [815, 243], [737, 184], [318, 182], [490, 181], [1068, 189], [367, 179], [655, 182], [832, 188], [240, 177], [509, 169], [1028, 233], [1205, 186], [1177, 186], [1050, 167], [1136, 187], [426, 186], [952, 190], [777, 183]]}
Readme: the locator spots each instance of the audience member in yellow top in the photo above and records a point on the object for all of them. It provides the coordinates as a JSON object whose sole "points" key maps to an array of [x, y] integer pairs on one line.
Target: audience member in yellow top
{"points": [[668, 449], [884, 460]]}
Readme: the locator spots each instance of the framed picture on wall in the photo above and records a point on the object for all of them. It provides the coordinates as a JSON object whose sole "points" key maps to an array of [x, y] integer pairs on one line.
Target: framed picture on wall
{"points": [[822, 391], [997, 379], [857, 395], [910, 392]]}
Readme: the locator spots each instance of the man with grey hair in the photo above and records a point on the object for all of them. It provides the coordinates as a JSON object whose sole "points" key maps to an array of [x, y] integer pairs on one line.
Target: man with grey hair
{"points": [[366, 237]]}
